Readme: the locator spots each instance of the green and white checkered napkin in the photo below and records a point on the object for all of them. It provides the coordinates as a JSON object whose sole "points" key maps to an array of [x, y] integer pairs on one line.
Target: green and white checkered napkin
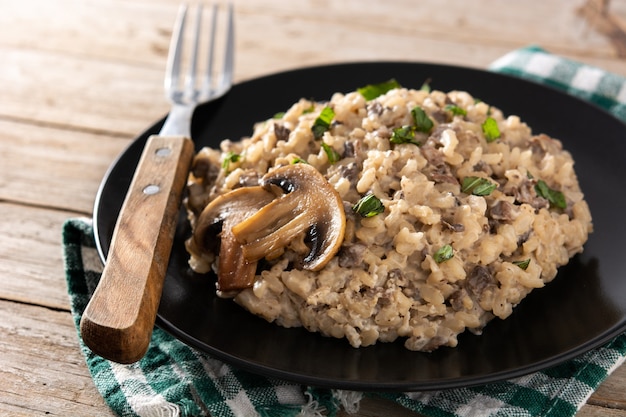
{"points": [[176, 380]]}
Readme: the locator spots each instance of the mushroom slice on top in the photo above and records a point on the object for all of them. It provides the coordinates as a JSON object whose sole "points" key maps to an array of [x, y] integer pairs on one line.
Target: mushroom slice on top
{"points": [[304, 202], [234, 272]]}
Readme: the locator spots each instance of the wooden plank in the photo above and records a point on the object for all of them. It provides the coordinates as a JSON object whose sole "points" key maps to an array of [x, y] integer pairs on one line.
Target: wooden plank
{"points": [[41, 368], [51, 167], [31, 259], [125, 58], [117, 98], [554, 24], [136, 32], [595, 411]]}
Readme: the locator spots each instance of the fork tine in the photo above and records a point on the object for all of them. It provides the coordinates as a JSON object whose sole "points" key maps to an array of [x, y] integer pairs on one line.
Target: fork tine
{"points": [[208, 89], [208, 78], [229, 59], [172, 71], [190, 82]]}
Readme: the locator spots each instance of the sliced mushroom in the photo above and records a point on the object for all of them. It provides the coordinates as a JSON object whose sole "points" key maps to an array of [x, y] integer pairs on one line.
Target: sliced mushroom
{"points": [[304, 202], [234, 272]]}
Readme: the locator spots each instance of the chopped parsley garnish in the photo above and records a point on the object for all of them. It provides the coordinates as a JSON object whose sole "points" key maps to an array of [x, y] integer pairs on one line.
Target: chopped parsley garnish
{"points": [[371, 91], [477, 186], [491, 129], [404, 134], [426, 86], [443, 254], [229, 158], [421, 119], [322, 123], [456, 110], [333, 155], [556, 198], [369, 206], [298, 160], [522, 264], [279, 115]]}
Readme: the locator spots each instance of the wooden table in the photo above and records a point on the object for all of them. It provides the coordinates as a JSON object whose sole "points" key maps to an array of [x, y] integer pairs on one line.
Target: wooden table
{"points": [[80, 79]]}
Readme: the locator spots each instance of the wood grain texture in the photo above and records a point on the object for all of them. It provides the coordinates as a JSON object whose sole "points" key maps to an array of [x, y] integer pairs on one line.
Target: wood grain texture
{"points": [[601, 17], [53, 167], [81, 79], [129, 73], [31, 259], [118, 321], [42, 371]]}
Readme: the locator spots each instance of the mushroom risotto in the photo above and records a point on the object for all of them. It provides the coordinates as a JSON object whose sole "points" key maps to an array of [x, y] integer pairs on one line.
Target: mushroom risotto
{"points": [[386, 213]]}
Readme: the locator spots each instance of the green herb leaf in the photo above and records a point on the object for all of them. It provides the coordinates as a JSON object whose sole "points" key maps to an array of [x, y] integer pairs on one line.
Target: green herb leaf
{"points": [[322, 123], [298, 160], [404, 134], [371, 91], [426, 86], [456, 110], [279, 115], [556, 198], [522, 264], [229, 158], [443, 254], [421, 119], [491, 129], [477, 186], [333, 155], [369, 206]]}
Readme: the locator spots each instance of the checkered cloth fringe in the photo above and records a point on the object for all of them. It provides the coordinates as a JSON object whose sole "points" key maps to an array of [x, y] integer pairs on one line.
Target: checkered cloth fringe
{"points": [[176, 380]]}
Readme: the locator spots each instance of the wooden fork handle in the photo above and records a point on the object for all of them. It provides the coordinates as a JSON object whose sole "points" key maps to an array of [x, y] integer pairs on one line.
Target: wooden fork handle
{"points": [[118, 321]]}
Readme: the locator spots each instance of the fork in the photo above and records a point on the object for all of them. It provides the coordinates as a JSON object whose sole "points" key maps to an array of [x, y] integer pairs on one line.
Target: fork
{"points": [[118, 321], [185, 98]]}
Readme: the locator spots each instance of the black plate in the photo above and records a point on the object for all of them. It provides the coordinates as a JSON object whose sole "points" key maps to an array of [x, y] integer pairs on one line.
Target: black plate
{"points": [[584, 307]]}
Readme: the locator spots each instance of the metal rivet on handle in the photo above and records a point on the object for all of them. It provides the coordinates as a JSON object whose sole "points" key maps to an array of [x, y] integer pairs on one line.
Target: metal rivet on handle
{"points": [[163, 152], [151, 189]]}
